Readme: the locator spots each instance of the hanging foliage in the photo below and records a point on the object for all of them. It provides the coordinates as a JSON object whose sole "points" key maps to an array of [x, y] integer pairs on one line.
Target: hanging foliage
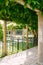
{"points": [[10, 10], [16, 12], [38, 4]]}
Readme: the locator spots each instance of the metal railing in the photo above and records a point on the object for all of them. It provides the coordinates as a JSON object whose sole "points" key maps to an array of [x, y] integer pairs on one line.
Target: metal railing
{"points": [[17, 45]]}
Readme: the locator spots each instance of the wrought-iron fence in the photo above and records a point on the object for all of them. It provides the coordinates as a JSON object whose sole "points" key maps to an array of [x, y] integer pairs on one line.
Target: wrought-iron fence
{"points": [[17, 45]]}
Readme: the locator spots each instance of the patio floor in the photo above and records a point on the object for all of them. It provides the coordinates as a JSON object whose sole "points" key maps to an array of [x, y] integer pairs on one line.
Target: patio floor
{"points": [[27, 57]]}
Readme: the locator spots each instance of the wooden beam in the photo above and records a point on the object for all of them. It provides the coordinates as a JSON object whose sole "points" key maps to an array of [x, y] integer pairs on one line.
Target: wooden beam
{"points": [[28, 6]]}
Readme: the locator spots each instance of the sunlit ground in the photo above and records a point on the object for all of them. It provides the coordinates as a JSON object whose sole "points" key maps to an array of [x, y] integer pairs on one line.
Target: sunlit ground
{"points": [[27, 57]]}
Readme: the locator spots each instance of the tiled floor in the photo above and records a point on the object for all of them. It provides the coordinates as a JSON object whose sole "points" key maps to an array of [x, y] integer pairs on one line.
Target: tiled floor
{"points": [[28, 57]]}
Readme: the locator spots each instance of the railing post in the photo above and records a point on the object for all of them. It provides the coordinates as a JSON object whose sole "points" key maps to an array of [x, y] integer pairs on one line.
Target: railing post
{"points": [[26, 36], [4, 34], [17, 45]]}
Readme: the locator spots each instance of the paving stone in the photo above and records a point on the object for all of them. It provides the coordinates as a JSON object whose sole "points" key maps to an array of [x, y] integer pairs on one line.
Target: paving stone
{"points": [[27, 57]]}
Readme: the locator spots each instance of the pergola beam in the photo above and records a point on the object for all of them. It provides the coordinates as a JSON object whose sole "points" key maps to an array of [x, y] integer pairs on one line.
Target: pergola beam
{"points": [[27, 5]]}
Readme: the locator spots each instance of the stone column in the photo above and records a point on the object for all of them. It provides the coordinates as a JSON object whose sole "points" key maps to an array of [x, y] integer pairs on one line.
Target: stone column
{"points": [[40, 39]]}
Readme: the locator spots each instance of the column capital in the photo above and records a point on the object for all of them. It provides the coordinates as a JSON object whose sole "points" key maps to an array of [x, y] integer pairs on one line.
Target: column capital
{"points": [[38, 12]]}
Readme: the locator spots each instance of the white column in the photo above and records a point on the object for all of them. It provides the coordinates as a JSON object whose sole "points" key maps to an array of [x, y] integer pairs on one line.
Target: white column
{"points": [[40, 39]]}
